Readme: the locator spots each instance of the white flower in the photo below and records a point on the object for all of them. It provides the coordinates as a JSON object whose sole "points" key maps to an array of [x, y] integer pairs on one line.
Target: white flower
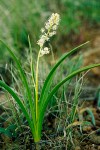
{"points": [[47, 26], [45, 37], [41, 42], [42, 30], [48, 31], [53, 22], [54, 27], [52, 33], [44, 51]]}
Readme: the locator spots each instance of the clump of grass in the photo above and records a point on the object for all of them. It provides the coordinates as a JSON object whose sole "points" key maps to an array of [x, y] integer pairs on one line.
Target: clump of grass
{"points": [[34, 105]]}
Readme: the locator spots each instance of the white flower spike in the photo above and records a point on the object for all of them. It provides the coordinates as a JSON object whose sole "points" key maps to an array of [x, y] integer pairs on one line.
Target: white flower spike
{"points": [[48, 31]]}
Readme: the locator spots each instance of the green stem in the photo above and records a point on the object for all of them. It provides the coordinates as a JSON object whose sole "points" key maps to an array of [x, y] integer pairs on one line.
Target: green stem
{"points": [[31, 63], [37, 68]]}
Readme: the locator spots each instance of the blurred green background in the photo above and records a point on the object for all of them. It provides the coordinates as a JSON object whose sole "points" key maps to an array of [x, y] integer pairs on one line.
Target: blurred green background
{"points": [[20, 18]]}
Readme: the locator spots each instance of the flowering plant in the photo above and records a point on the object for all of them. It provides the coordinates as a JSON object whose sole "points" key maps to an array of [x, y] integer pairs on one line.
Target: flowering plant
{"points": [[38, 103]]}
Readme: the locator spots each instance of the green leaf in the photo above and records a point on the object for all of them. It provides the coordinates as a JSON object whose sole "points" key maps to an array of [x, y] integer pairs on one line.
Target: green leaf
{"points": [[69, 77], [92, 116], [48, 81], [97, 97], [11, 128], [24, 80], [58, 86], [16, 98], [9, 131], [32, 66], [23, 77], [5, 131]]}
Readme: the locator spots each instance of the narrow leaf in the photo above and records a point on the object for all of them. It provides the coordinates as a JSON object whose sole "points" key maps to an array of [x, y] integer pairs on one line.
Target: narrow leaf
{"points": [[58, 86], [24, 80], [16, 98], [5, 131], [48, 81]]}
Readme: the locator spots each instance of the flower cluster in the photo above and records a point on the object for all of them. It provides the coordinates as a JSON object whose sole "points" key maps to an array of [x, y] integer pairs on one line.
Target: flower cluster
{"points": [[48, 31]]}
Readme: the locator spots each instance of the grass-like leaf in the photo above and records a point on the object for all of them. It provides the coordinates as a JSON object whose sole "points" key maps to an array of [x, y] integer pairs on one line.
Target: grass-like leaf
{"points": [[42, 111], [24, 80], [48, 81], [16, 98]]}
